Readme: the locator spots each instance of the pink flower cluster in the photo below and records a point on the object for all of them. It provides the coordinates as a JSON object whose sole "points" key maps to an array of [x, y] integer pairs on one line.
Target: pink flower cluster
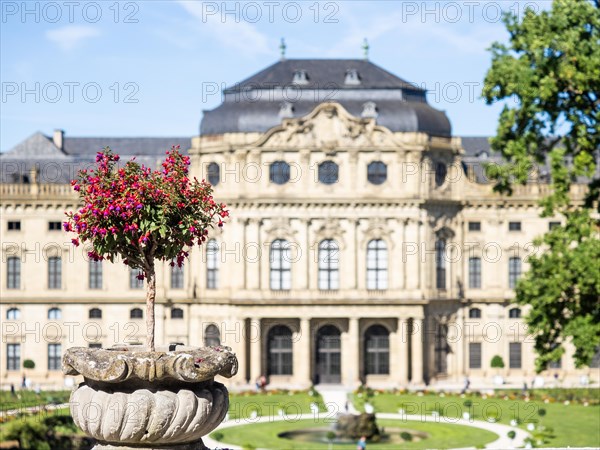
{"points": [[136, 212]]}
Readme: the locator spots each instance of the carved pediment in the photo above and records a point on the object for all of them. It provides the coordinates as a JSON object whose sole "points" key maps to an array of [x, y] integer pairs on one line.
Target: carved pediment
{"points": [[328, 126], [331, 229]]}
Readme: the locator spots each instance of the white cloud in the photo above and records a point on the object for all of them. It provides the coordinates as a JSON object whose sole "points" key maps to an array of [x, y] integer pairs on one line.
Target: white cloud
{"points": [[71, 36], [241, 35], [462, 37]]}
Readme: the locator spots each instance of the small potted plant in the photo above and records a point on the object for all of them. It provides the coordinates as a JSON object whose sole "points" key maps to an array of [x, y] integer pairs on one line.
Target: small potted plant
{"points": [[146, 396], [497, 363]]}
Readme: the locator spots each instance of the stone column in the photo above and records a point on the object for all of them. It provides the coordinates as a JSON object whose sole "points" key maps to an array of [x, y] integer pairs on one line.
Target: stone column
{"points": [[302, 356], [300, 254], [231, 257], [233, 334], [253, 250], [254, 334], [417, 351], [424, 265], [402, 351], [351, 356]]}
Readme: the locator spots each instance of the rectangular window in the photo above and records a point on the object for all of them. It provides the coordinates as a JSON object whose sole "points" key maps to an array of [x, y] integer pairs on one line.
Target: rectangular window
{"points": [[95, 274], [14, 225], [176, 277], [514, 357], [13, 356], [475, 355], [54, 226], [474, 226], [553, 225], [514, 226], [134, 281], [54, 356], [13, 273], [475, 273], [514, 271], [54, 272], [440, 264], [95, 345]]}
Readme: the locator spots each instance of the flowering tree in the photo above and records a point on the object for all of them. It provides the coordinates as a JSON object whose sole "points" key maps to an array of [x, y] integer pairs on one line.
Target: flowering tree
{"points": [[142, 214]]}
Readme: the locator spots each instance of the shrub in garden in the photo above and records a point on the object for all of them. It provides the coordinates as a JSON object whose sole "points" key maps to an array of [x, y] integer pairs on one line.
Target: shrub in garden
{"points": [[497, 362]]}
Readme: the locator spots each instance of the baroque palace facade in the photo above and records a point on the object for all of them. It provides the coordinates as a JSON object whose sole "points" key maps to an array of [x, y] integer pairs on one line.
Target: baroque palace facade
{"points": [[364, 246]]}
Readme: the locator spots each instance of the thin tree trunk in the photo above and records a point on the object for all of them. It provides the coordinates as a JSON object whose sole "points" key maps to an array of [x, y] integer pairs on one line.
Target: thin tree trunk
{"points": [[150, 297]]}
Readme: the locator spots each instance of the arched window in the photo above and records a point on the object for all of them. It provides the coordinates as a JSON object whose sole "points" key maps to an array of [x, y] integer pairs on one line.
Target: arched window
{"points": [[54, 314], [377, 350], [377, 172], [136, 313], [377, 264], [13, 314], [214, 173], [176, 313], [212, 336], [440, 264], [328, 172], [329, 265], [279, 172], [474, 313], [514, 313], [212, 264], [95, 313], [281, 266], [514, 271], [13, 272], [280, 354]]}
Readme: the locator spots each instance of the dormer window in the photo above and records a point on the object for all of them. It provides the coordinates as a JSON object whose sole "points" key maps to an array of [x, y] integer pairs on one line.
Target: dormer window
{"points": [[300, 77], [352, 77], [286, 110], [369, 110]]}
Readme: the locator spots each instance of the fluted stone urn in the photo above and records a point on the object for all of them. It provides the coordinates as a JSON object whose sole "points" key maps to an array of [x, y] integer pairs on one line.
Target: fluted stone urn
{"points": [[135, 399]]}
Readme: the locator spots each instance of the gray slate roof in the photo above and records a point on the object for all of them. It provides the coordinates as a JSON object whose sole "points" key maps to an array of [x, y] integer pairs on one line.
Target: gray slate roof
{"points": [[323, 73], [55, 165], [254, 104]]}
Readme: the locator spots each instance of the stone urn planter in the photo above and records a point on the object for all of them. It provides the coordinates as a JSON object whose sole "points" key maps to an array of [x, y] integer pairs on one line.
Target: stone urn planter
{"points": [[135, 399]]}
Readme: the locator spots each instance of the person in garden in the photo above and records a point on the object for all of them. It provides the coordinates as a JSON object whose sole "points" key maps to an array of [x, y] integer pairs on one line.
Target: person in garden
{"points": [[362, 443]]}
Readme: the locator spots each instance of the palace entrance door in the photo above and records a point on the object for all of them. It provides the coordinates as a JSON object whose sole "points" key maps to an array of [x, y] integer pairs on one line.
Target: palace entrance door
{"points": [[329, 355]]}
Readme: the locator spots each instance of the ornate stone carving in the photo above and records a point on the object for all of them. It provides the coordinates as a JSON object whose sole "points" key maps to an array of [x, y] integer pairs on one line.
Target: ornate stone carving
{"points": [[122, 363], [134, 399], [328, 126], [143, 417], [331, 229]]}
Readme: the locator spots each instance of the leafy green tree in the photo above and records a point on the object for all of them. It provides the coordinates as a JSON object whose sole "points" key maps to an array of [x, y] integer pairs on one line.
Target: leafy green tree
{"points": [[548, 77]]}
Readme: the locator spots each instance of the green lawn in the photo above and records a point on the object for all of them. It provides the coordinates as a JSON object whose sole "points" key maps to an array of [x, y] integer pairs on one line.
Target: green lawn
{"points": [[573, 425], [265, 435], [26, 398], [241, 405]]}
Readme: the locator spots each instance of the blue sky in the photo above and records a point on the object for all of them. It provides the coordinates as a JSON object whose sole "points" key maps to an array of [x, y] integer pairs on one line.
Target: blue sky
{"points": [[149, 68]]}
